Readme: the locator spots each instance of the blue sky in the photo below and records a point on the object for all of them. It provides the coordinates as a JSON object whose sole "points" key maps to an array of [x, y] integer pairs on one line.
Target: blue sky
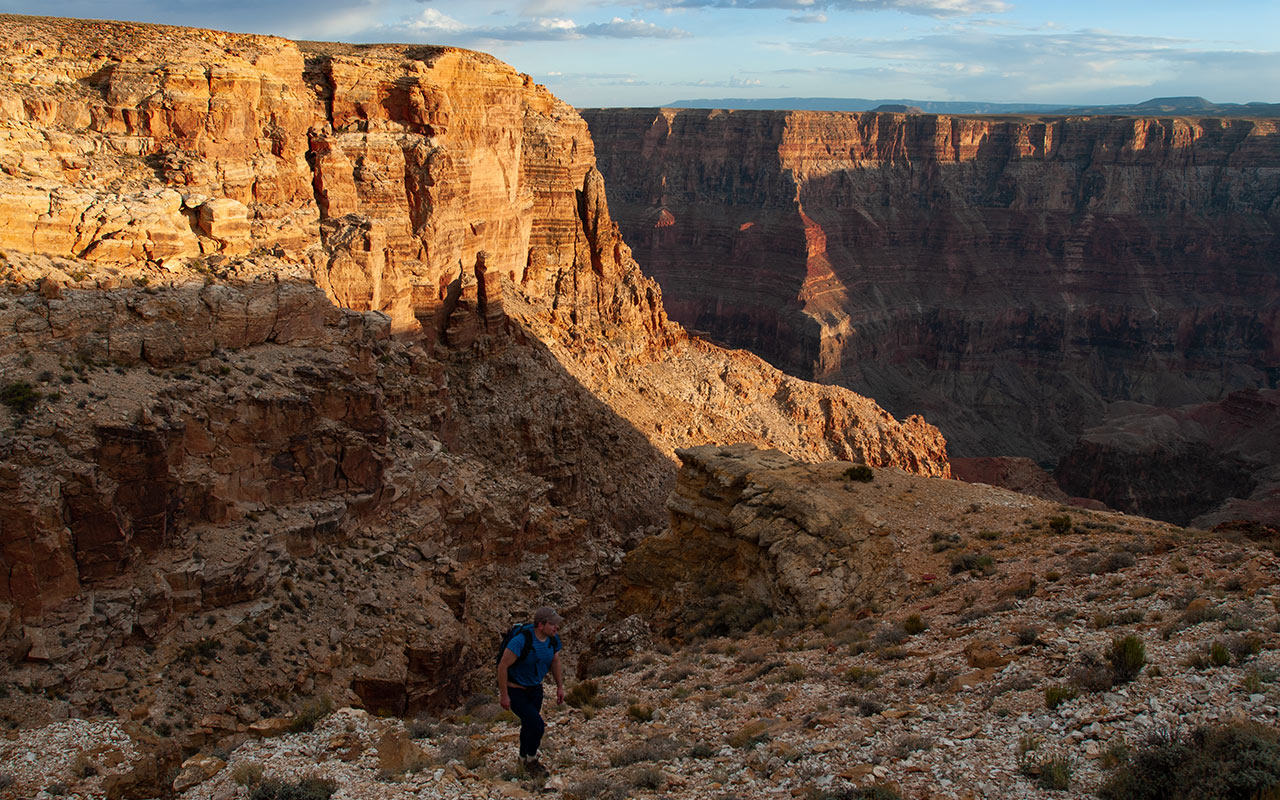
{"points": [[650, 52]]}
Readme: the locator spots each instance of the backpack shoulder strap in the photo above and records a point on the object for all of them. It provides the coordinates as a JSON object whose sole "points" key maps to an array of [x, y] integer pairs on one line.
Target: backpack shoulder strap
{"points": [[527, 633]]}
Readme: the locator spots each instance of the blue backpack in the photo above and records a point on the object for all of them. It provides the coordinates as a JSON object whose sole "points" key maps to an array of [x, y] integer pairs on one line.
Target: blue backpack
{"points": [[524, 629]]}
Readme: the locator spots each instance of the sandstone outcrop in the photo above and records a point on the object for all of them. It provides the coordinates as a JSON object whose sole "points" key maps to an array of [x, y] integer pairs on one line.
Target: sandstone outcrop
{"points": [[322, 363], [1005, 277], [1010, 472]]}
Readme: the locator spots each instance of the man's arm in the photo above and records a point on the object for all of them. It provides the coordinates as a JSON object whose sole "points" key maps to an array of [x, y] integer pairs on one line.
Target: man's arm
{"points": [[508, 658], [557, 672]]}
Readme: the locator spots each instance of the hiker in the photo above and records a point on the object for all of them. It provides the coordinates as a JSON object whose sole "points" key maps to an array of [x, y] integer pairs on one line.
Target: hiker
{"points": [[529, 652]]}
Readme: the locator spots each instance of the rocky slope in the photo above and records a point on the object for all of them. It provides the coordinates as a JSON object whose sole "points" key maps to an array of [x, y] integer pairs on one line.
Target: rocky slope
{"points": [[1008, 277], [952, 646], [320, 365]]}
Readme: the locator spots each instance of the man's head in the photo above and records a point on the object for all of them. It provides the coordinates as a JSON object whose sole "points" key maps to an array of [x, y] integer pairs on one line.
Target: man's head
{"points": [[546, 619]]}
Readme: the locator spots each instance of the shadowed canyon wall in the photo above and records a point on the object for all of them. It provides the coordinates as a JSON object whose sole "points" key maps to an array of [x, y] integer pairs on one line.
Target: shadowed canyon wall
{"points": [[331, 356], [1006, 277]]}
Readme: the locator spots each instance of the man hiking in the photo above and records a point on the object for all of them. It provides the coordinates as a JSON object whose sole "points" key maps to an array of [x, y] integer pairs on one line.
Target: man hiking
{"points": [[529, 652]]}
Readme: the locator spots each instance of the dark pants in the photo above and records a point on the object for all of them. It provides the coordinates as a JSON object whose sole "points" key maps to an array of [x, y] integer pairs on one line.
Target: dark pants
{"points": [[527, 705]]}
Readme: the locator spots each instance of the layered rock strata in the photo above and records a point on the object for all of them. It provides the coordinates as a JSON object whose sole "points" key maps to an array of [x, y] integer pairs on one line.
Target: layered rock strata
{"points": [[321, 363], [1203, 465], [1007, 277]]}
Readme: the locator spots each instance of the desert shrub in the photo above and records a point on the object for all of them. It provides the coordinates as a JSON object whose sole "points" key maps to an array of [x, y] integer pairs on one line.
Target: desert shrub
{"points": [[890, 635], [640, 712], [1219, 655], [1130, 617], [878, 791], [866, 706], [1058, 694], [1055, 773], [1027, 634], [862, 676], [648, 777], [1114, 562], [975, 563], [1127, 655], [597, 787], [247, 773], [600, 667], [1229, 762], [1060, 523], [914, 624], [1244, 647], [701, 750], [585, 694], [423, 726], [20, 396], [791, 674], [311, 712], [305, 789], [944, 541], [655, 748], [860, 473], [728, 615], [1093, 674]]}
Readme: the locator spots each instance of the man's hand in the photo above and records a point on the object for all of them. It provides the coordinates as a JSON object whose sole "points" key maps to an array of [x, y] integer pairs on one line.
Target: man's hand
{"points": [[505, 701], [559, 695]]}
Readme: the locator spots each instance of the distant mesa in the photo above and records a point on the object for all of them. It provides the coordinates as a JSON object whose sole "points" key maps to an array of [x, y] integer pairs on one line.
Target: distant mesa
{"points": [[1156, 106]]}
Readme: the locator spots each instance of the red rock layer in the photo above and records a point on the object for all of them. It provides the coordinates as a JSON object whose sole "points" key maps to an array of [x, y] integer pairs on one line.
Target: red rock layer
{"points": [[1004, 276], [291, 310]]}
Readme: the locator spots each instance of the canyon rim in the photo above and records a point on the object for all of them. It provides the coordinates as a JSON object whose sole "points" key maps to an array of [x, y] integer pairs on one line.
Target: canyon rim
{"points": [[323, 363]]}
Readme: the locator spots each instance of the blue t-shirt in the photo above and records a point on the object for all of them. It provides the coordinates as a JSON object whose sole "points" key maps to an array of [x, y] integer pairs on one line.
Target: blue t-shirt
{"points": [[530, 671]]}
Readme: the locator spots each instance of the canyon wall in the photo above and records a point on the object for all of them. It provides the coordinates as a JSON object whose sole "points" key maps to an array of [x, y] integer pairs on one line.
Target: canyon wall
{"points": [[1006, 277], [322, 364]]}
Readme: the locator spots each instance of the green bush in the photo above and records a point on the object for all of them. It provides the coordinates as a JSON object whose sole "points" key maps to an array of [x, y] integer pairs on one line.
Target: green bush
{"points": [[914, 624], [1229, 762], [305, 789], [1058, 694], [1128, 655], [21, 397], [1060, 523], [1055, 773], [860, 473]]}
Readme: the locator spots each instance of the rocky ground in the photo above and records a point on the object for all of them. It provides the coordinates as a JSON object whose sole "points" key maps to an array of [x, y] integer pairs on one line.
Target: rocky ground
{"points": [[944, 691]]}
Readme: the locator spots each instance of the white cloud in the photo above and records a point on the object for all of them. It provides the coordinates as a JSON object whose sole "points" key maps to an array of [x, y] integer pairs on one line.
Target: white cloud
{"points": [[807, 18], [432, 23], [930, 8], [1071, 67]]}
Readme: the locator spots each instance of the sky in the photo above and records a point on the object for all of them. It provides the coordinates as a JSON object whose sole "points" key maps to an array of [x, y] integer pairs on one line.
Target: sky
{"points": [[652, 52]]}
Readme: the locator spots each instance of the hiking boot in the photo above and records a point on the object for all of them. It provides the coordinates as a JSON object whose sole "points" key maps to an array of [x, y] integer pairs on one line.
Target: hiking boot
{"points": [[534, 767]]}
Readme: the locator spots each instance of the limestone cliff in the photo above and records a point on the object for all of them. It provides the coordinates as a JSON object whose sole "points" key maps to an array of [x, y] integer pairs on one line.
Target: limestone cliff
{"points": [[332, 356], [1006, 277]]}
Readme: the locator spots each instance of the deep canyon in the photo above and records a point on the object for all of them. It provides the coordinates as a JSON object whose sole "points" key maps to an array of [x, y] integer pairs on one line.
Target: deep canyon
{"points": [[1010, 278]]}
